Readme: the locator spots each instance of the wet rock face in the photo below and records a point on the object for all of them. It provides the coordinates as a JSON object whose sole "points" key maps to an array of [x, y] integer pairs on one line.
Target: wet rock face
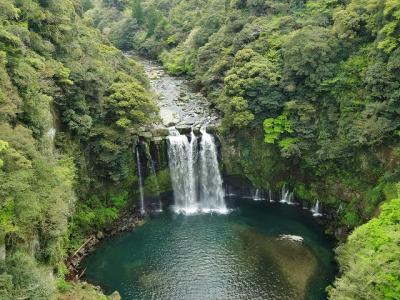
{"points": [[179, 105], [2, 252]]}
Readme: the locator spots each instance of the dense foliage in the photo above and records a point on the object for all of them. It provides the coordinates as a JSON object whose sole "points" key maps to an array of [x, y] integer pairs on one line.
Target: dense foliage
{"points": [[310, 73], [70, 103], [370, 258], [308, 90], [317, 80]]}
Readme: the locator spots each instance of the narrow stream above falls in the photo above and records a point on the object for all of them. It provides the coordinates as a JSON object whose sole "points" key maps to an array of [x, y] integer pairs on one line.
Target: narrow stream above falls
{"points": [[208, 245], [179, 105]]}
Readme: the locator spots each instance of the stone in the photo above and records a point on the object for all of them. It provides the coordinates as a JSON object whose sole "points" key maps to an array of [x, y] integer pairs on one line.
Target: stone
{"points": [[212, 129], [170, 124], [115, 296], [183, 128], [158, 139], [100, 235], [146, 134], [189, 120]]}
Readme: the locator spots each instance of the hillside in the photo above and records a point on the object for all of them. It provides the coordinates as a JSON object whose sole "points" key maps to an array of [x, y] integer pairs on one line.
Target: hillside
{"points": [[308, 93]]}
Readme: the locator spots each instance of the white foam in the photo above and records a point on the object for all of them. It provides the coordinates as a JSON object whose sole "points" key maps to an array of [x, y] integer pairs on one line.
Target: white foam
{"points": [[196, 210], [291, 237]]}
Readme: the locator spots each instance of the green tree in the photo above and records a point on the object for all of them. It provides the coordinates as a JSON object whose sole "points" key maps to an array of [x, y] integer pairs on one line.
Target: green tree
{"points": [[369, 263], [137, 11], [275, 127], [128, 103]]}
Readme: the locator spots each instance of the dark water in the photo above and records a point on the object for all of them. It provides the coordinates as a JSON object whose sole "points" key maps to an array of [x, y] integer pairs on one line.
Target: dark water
{"points": [[234, 256]]}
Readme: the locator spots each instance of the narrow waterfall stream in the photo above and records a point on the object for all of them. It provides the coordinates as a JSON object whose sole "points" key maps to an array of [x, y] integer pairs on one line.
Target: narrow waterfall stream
{"points": [[257, 196], [142, 210], [286, 196], [195, 175], [316, 210]]}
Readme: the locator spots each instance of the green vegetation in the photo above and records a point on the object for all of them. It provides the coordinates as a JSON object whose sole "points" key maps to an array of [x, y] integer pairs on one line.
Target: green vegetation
{"points": [[369, 260], [57, 73], [317, 80], [308, 91]]}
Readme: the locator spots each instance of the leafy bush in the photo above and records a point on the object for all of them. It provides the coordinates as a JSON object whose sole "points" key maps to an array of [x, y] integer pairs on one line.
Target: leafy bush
{"points": [[369, 264]]}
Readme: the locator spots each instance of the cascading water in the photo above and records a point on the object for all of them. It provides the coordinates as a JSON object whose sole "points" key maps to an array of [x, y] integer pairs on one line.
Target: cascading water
{"points": [[316, 210], [211, 191], [142, 211], [286, 196], [193, 172], [270, 196], [193, 156], [50, 138], [257, 196], [51, 133], [181, 156]]}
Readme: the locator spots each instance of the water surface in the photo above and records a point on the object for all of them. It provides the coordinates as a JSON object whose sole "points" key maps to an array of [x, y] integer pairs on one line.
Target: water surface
{"points": [[237, 256]]}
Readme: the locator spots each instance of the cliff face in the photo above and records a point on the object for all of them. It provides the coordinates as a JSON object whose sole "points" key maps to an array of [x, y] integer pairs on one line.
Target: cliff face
{"points": [[350, 197]]}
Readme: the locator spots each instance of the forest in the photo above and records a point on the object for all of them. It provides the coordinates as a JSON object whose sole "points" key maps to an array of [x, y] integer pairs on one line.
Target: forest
{"points": [[308, 92]]}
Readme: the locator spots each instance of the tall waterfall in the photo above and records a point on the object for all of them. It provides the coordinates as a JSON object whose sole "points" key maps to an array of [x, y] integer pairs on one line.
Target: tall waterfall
{"points": [[270, 196], [195, 176], [211, 191], [142, 210], [181, 155]]}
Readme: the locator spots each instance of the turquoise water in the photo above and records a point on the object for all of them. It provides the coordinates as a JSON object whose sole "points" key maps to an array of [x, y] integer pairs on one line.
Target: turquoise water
{"points": [[234, 256]]}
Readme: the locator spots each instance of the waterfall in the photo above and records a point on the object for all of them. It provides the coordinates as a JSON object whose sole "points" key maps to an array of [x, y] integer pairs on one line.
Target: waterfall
{"points": [[140, 181], [211, 191], [257, 196], [270, 196], [286, 196], [50, 135], [195, 176], [181, 156], [316, 210], [193, 156]]}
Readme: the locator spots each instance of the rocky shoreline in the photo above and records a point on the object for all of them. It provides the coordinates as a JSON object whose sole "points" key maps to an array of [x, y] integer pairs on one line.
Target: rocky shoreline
{"points": [[128, 221]]}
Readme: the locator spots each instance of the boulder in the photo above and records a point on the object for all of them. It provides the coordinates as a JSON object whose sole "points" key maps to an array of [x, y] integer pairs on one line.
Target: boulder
{"points": [[183, 128], [115, 296], [171, 124], [158, 139], [146, 134]]}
